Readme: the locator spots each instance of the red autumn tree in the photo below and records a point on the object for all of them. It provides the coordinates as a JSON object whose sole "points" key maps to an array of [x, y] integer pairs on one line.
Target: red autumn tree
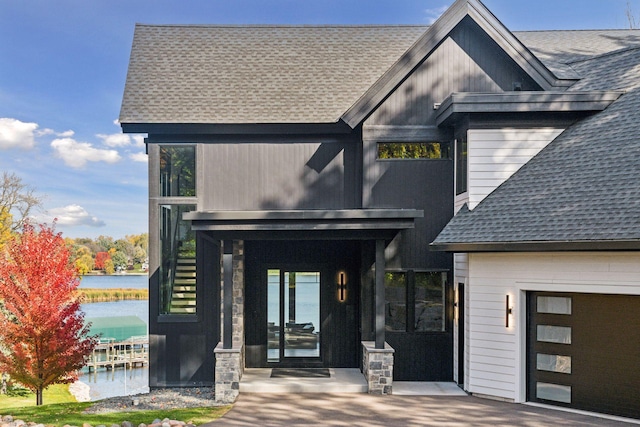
{"points": [[43, 337], [101, 257]]}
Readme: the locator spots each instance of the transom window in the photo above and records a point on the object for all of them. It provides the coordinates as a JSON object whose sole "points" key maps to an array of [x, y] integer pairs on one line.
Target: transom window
{"points": [[413, 150]]}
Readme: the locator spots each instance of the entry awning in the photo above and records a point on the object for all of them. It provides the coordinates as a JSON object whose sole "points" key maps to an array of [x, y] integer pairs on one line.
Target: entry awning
{"points": [[358, 224]]}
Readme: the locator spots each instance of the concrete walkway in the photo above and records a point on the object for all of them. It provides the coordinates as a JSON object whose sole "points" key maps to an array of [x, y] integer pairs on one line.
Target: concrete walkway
{"points": [[357, 409]]}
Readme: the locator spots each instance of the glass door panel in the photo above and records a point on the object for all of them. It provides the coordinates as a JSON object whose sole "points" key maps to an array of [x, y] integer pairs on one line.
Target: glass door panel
{"points": [[293, 315]]}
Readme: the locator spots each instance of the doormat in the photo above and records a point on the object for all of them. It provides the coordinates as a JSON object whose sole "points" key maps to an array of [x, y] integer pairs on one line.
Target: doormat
{"points": [[300, 373]]}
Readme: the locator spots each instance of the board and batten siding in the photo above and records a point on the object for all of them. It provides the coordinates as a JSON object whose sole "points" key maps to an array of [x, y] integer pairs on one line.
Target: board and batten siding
{"points": [[496, 154], [497, 354], [467, 60], [250, 176]]}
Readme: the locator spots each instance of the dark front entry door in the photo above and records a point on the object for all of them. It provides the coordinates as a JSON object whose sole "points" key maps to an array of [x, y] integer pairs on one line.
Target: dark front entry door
{"points": [[294, 312], [293, 316]]}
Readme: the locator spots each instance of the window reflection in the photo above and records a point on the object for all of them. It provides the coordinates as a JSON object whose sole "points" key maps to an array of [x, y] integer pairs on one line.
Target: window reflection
{"points": [[178, 171]]}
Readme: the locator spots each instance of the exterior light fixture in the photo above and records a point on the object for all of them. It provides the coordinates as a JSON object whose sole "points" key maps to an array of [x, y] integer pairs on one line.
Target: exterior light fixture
{"points": [[509, 312], [456, 300], [342, 286]]}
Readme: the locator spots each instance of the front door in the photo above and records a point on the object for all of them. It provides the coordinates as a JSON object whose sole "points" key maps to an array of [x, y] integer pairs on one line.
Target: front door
{"points": [[293, 317]]}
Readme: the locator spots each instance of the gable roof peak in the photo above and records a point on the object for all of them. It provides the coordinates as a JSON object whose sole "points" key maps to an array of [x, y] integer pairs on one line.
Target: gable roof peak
{"points": [[430, 40]]}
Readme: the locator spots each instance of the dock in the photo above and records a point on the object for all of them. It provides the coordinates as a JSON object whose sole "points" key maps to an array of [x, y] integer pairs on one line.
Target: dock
{"points": [[112, 354]]}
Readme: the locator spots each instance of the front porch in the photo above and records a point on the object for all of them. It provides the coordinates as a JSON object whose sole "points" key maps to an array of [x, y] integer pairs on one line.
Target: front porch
{"points": [[340, 380]]}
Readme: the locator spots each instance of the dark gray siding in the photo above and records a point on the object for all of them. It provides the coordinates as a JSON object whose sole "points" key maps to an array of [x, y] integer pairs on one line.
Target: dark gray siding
{"points": [[257, 176], [466, 61]]}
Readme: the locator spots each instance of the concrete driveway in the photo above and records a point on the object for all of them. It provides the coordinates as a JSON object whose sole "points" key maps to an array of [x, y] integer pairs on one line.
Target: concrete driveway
{"points": [[258, 410]]}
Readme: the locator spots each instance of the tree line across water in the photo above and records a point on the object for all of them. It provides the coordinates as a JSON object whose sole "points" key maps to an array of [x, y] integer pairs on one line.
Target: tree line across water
{"points": [[106, 255]]}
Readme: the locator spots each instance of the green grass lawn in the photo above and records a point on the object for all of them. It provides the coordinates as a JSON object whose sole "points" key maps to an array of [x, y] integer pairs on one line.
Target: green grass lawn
{"points": [[60, 408], [57, 393]]}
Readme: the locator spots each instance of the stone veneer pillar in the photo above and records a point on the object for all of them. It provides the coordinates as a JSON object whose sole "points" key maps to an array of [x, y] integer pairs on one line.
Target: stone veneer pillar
{"points": [[230, 361], [229, 367], [377, 366]]}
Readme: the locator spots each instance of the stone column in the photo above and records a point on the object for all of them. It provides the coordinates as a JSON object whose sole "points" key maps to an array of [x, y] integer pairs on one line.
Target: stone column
{"points": [[230, 361], [377, 367], [238, 293], [228, 373]]}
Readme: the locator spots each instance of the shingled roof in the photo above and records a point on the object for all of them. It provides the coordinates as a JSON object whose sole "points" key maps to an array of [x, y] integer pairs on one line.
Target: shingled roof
{"points": [[255, 74], [583, 190]]}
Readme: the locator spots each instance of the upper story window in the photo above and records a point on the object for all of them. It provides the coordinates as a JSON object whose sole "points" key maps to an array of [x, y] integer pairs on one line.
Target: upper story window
{"points": [[461, 166], [413, 150], [178, 171]]}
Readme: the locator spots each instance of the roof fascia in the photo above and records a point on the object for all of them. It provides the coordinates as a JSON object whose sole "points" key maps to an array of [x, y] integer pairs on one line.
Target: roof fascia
{"points": [[524, 102], [541, 246], [432, 37], [336, 128]]}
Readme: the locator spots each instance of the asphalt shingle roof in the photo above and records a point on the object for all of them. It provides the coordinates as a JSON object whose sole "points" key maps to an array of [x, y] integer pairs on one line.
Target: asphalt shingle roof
{"points": [[255, 74], [584, 186]]}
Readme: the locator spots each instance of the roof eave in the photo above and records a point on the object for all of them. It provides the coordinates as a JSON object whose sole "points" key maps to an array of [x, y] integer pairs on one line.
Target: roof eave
{"points": [[538, 246], [524, 102], [338, 127]]}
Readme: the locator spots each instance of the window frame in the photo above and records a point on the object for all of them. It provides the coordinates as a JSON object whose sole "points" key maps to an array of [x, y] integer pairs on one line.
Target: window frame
{"points": [[410, 301]]}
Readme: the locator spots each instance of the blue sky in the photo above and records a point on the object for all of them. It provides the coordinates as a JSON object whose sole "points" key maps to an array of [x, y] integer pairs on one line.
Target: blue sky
{"points": [[63, 64]]}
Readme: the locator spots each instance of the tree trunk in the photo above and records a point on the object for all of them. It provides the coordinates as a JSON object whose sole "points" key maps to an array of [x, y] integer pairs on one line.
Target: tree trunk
{"points": [[39, 397]]}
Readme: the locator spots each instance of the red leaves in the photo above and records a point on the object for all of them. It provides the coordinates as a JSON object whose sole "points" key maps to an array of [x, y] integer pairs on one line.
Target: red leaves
{"points": [[41, 328]]}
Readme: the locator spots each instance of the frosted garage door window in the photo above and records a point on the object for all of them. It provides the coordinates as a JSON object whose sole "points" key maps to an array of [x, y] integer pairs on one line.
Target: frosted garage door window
{"points": [[553, 363], [555, 334], [555, 392], [554, 305]]}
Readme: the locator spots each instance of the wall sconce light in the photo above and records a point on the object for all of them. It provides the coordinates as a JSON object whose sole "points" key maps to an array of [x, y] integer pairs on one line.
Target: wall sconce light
{"points": [[456, 299], [342, 286], [509, 312]]}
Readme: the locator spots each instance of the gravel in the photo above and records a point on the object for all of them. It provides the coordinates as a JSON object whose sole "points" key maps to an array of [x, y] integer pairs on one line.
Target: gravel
{"points": [[157, 399]]}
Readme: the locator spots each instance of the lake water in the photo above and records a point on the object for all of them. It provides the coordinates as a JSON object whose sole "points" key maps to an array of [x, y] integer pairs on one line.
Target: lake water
{"points": [[135, 281], [119, 382]]}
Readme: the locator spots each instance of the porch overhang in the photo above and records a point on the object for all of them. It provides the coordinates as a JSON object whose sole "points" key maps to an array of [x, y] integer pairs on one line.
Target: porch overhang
{"points": [[341, 224]]}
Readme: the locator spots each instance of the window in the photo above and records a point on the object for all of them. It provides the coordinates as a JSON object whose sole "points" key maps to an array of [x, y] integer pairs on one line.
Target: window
{"points": [[413, 150], [461, 165], [178, 263], [178, 171], [429, 301], [395, 293], [415, 301]]}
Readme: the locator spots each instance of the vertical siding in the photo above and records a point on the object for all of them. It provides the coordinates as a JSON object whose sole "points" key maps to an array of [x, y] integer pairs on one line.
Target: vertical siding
{"points": [[246, 176], [411, 184], [466, 61], [496, 154], [497, 354]]}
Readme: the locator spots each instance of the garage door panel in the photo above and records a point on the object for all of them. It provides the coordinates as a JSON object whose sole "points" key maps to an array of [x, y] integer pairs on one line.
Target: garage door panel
{"points": [[587, 357]]}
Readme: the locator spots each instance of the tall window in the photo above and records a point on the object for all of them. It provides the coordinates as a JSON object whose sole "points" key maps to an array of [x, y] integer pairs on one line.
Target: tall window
{"points": [[461, 165], [413, 150], [178, 171], [178, 264], [415, 301]]}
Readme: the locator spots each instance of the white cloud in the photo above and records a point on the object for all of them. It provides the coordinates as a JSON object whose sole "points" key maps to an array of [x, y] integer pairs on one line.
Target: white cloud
{"points": [[139, 157], [139, 140], [16, 134], [69, 216], [434, 13], [115, 139], [77, 154]]}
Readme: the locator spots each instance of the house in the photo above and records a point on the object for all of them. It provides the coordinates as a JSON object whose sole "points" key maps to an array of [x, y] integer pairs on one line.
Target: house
{"points": [[303, 183]]}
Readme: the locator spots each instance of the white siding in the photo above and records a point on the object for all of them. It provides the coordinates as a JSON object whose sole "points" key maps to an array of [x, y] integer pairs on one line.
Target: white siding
{"points": [[495, 154], [497, 354]]}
